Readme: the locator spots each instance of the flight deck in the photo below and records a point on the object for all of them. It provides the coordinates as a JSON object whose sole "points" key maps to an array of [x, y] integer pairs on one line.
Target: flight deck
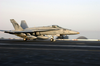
{"points": [[46, 53]]}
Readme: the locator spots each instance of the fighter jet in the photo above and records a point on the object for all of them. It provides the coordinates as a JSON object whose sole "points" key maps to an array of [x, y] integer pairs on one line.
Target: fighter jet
{"points": [[38, 32]]}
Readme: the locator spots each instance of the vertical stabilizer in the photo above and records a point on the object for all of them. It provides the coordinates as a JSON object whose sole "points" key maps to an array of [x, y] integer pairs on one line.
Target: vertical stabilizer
{"points": [[16, 25], [24, 24]]}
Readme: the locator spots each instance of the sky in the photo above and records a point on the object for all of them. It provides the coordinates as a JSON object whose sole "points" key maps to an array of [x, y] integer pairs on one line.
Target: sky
{"points": [[79, 15]]}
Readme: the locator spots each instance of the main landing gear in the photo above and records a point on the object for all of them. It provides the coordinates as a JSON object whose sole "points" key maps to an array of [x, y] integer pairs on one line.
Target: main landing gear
{"points": [[25, 39]]}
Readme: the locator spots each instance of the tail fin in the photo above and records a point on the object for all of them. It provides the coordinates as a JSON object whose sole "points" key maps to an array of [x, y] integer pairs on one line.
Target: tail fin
{"points": [[24, 24], [16, 25]]}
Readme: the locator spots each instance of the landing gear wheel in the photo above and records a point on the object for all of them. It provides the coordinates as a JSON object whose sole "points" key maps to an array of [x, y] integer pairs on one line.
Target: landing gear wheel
{"points": [[25, 39], [52, 40]]}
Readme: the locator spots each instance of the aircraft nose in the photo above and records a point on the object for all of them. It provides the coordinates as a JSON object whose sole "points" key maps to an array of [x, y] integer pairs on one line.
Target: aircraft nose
{"points": [[78, 33], [74, 32], [71, 32]]}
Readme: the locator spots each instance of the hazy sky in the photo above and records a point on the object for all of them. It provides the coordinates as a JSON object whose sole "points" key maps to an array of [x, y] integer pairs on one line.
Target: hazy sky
{"points": [[78, 15]]}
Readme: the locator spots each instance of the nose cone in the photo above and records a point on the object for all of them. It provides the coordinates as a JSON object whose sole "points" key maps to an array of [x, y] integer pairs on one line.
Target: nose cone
{"points": [[73, 32], [78, 33], [70, 32]]}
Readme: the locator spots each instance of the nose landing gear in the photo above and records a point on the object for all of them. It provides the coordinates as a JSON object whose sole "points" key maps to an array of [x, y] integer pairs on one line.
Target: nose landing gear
{"points": [[52, 40]]}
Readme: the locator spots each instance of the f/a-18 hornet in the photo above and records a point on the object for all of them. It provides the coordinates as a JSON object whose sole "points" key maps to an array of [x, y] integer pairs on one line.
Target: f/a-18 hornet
{"points": [[38, 32]]}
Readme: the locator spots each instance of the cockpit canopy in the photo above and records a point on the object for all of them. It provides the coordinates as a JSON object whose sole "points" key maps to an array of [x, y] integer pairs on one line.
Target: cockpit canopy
{"points": [[56, 26]]}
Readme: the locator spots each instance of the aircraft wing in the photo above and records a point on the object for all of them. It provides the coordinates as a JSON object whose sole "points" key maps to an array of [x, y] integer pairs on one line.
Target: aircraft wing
{"points": [[2, 30], [26, 31], [5, 30]]}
